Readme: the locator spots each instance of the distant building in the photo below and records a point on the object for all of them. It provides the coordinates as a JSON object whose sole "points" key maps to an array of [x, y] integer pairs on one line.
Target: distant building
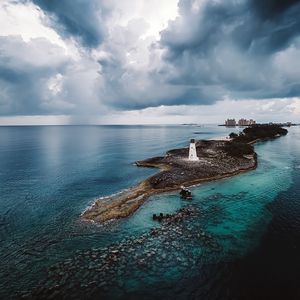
{"points": [[230, 122], [241, 122], [245, 122]]}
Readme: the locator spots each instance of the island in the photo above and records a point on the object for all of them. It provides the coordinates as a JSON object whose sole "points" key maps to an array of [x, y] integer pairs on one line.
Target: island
{"points": [[217, 159]]}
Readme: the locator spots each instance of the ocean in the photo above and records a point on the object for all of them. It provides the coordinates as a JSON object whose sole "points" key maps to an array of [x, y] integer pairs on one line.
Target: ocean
{"points": [[50, 174]]}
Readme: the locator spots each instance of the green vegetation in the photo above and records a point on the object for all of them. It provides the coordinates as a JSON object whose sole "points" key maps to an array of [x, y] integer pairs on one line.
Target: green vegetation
{"points": [[233, 135], [238, 149], [253, 133], [240, 144]]}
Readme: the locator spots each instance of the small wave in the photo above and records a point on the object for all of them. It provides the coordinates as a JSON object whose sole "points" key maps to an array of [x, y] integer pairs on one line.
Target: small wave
{"points": [[92, 203], [297, 167], [220, 138]]}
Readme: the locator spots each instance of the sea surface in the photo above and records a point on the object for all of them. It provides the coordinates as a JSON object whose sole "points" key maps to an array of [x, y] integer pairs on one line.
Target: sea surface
{"points": [[50, 174]]}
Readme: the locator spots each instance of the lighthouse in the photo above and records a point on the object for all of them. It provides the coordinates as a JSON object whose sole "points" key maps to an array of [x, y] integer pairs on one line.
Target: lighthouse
{"points": [[193, 153]]}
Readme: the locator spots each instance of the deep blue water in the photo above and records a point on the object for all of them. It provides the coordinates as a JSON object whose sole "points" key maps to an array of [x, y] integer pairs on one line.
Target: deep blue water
{"points": [[49, 175]]}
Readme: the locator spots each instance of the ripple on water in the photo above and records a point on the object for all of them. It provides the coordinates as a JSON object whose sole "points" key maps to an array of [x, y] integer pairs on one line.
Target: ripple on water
{"points": [[233, 213]]}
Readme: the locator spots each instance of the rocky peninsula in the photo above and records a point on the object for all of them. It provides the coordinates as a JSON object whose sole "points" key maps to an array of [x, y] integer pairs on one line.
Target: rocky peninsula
{"points": [[217, 159]]}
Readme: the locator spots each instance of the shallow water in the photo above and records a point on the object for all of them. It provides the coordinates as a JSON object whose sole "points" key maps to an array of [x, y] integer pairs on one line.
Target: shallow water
{"points": [[49, 175]]}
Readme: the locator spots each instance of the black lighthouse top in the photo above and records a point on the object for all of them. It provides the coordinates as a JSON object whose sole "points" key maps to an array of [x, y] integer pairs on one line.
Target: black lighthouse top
{"points": [[192, 140]]}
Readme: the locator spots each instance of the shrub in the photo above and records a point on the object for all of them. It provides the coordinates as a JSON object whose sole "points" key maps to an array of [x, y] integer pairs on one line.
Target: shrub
{"points": [[238, 149], [259, 132], [233, 135]]}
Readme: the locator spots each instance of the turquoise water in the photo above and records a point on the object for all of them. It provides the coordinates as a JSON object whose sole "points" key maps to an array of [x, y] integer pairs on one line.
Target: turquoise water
{"points": [[49, 175]]}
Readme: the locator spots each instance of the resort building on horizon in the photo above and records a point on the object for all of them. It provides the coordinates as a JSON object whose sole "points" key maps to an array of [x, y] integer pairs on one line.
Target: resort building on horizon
{"points": [[230, 122], [241, 122], [245, 122]]}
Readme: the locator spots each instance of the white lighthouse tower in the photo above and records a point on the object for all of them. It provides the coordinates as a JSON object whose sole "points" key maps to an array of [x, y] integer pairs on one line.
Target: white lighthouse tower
{"points": [[193, 153]]}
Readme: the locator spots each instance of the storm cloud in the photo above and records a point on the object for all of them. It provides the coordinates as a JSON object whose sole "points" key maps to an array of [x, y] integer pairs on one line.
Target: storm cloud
{"points": [[42, 79], [105, 59], [24, 75], [239, 49], [82, 19]]}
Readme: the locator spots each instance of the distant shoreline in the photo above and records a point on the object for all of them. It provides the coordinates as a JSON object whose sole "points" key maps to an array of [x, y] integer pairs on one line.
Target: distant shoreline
{"points": [[276, 124]]}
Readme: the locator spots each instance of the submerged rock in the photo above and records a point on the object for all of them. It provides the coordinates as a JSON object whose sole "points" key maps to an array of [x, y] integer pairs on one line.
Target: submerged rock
{"points": [[161, 249]]}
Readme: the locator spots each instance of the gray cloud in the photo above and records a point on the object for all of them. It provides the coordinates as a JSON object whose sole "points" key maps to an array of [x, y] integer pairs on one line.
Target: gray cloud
{"points": [[225, 49], [25, 69], [230, 48], [82, 19], [253, 25], [42, 79], [271, 9]]}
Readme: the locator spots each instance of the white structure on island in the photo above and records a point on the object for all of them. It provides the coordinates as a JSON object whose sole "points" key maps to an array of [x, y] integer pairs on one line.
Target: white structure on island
{"points": [[193, 153]]}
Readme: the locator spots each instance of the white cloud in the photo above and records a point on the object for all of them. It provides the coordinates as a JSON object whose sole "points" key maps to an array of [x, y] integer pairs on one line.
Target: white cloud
{"points": [[276, 110], [55, 84], [26, 20], [35, 120], [122, 62], [156, 13], [273, 110], [294, 107]]}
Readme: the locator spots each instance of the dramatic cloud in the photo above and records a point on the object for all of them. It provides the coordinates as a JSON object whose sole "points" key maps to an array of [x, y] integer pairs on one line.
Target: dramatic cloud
{"points": [[82, 58], [83, 19], [237, 49], [24, 75], [44, 79]]}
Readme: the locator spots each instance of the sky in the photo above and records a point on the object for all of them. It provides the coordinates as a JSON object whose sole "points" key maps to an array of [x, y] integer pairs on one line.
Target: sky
{"points": [[148, 62]]}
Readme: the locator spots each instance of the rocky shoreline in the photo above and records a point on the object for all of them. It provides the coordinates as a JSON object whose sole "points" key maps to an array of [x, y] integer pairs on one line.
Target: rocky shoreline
{"points": [[217, 159], [175, 170]]}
